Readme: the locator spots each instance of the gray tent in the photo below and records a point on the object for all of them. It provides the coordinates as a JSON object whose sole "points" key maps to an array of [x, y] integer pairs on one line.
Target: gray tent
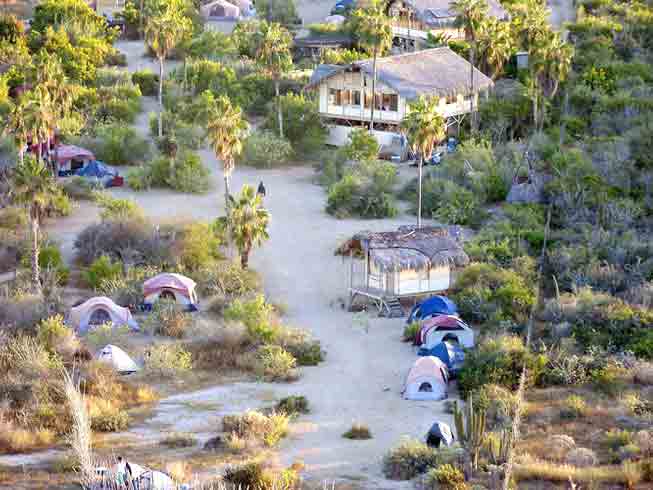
{"points": [[439, 433]]}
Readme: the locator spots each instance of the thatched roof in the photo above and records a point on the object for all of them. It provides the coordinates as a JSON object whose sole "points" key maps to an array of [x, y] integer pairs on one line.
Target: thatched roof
{"points": [[432, 72], [408, 248], [435, 11]]}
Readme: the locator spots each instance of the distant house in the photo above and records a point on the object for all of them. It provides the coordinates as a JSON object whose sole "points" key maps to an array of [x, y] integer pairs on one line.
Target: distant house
{"points": [[413, 20], [345, 98], [409, 262], [108, 8], [313, 44]]}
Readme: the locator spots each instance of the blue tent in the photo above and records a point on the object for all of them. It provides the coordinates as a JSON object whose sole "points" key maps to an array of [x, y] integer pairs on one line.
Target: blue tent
{"points": [[97, 170], [449, 353], [435, 305]]}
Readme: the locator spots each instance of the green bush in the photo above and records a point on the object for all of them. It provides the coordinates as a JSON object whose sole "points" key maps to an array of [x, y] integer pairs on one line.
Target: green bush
{"points": [[448, 202], [266, 150], [256, 315], [274, 363], [50, 259], [168, 360], [487, 293], [361, 145], [228, 279], [410, 332], [408, 460], [573, 407], [169, 320], [249, 475], [102, 269], [302, 125], [110, 421], [79, 188], [53, 334], [446, 477], [198, 247], [118, 144], [139, 178], [107, 77], [306, 351], [365, 191], [499, 361], [117, 210], [189, 174], [293, 405], [13, 217], [147, 81]]}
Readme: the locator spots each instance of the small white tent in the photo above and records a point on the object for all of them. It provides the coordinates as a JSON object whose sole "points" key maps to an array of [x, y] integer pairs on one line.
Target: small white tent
{"points": [[446, 328], [97, 311], [427, 380], [155, 480], [220, 9], [117, 358]]}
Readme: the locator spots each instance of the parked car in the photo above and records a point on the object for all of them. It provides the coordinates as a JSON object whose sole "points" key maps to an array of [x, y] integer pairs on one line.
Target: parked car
{"points": [[343, 7]]}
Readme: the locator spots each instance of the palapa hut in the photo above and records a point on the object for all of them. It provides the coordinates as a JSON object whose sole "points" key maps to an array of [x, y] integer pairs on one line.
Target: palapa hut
{"points": [[409, 262]]}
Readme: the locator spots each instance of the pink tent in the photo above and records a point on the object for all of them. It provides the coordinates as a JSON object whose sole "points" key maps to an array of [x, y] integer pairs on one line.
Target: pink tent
{"points": [[69, 152], [442, 322], [427, 380], [177, 287]]}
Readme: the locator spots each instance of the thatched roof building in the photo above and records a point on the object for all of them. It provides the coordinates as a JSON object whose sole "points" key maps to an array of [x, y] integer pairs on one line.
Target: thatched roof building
{"points": [[432, 72], [408, 248]]}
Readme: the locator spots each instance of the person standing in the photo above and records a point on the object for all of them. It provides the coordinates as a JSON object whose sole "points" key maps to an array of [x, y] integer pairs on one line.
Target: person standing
{"points": [[261, 189]]}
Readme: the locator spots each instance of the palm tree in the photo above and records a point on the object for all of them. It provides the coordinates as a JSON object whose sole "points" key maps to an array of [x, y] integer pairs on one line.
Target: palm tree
{"points": [[248, 222], [39, 117], [470, 14], [225, 130], [163, 33], [496, 42], [373, 29], [274, 58], [424, 127], [16, 126], [34, 187], [550, 66]]}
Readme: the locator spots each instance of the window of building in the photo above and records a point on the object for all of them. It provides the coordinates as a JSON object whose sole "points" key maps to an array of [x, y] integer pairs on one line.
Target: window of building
{"points": [[335, 96], [390, 102], [356, 97]]}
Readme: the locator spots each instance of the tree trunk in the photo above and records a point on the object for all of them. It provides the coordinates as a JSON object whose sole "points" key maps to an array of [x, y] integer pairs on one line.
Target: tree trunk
{"points": [[227, 205], [161, 97], [373, 89], [21, 154], [419, 190], [140, 21], [472, 113], [36, 273], [244, 257], [279, 115]]}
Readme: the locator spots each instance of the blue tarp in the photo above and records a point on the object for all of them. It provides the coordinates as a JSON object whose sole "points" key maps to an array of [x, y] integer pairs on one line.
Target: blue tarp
{"points": [[435, 305], [450, 354], [96, 169]]}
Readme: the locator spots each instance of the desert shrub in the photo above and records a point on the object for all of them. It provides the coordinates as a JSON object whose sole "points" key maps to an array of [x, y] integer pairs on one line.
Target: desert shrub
{"points": [[581, 457], [305, 350], [228, 279], [282, 11], [80, 188], [361, 145], [256, 315], [274, 363], [179, 440], [302, 125], [13, 217], [168, 360], [21, 313], [365, 190], [57, 337], [408, 460], [266, 150], [118, 144], [485, 292], [138, 178], [499, 404], [147, 81], [410, 332], [189, 174], [50, 259], [114, 209], [108, 333], [110, 420], [102, 269], [248, 475], [169, 320], [293, 405], [447, 477], [565, 368], [255, 426], [198, 247], [499, 361], [15, 440], [616, 439], [573, 407], [110, 76], [449, 202], [358, 432]]}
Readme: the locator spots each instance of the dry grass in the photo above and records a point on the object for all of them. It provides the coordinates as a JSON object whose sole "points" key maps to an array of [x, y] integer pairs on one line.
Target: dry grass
{"points": [[256, 427], [179, 440], [358, 432], [179, 471], [544, 470], [19, 440]]}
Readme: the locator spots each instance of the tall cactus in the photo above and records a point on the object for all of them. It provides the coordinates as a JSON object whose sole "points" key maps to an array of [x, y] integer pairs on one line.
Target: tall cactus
{"points": [[470, 427], [498, 445]]}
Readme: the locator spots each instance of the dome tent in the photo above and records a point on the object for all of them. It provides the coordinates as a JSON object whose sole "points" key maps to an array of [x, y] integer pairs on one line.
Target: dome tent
{"points": [[439, 433], [172, 286], [220, 9], [427, 380], [448, 352], [97, 311], [435, 305], [443, 328], [117, 358]]}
